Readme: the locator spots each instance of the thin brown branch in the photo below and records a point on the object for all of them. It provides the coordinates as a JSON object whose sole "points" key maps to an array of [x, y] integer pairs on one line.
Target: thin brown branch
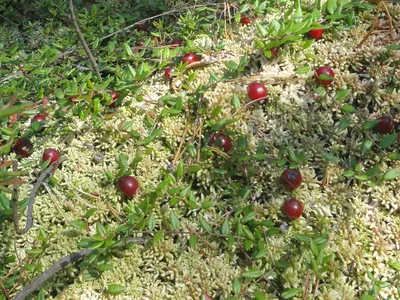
{"points": [[82, 39], [15, 204], [56, 267], [24, 72]]}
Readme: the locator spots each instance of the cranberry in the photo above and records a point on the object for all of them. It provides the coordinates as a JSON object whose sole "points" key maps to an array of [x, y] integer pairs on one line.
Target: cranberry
{"points": [[257, 91], [51, 154], [385, 125], [23, 147], [293, 208], [326, 71], [139, 46], [114, 96], [315, 33], [291, 179], [245, 21], [128, 185], [221, 140], [190, 58], [168, 72], [176, 43], [39, 118], [274, 51]]}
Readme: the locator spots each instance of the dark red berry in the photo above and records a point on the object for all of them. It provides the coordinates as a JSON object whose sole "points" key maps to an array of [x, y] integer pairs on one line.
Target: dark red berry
{"points": [[139, 46], [244, 20], [291, 179], [292, 208], [114, 96], [274, 51], [39, 118], [176, 43], [23, 147], [51, 154], [327, 71], [385, 125], [168, 72], [221, 140], [128, 185], [257, 91], [190, 58], [315, 33]]}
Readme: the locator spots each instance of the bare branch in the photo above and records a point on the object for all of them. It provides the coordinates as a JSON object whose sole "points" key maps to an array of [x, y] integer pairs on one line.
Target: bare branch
{"points": [[82, 39]]}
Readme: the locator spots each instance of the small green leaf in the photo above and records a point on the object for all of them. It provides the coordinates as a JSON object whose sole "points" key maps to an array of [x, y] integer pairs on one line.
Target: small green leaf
{"points": [[158, 236], [174, 220], [235, 101], [290, 293], [388, 140], [151, 223], [325, 77], [395, 265], [391, 174], [392, 47], [330, 157], [252, 273], [367, 125], [59, 93], [331, 6], [193, 240], [349, 108], [248, 217], [303, 70], [365, 146], [236, 286], [343, 124], [115, 289], [225, 227], [261, 30], [78, 224], [205, 225], [394, 156]]}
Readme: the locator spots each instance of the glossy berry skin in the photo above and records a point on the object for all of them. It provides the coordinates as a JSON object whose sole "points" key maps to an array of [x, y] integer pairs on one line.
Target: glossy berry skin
{"points": [[190, 58], [324, 70], [114, 96], [221, 140], [23, 147], [257, 91], [292, 209], [274, 51], [385, 125], [315, 33], [168, 72], [39, 118], [51, 154], [291, 179], [244, 20], [128, 185]]}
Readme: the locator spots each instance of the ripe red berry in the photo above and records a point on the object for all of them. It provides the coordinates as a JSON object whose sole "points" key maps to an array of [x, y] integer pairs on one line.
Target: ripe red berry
{"points": [[176, 43], [23, 147], [190, 58], [221, 140], [292, 208], [327, 71], [291, 179], [114, 96], [39, 118], [51, 154], [315, 33], [385, 125], [257, 91], [168, 72], [128, 185], [245, 21], [274, 51]]}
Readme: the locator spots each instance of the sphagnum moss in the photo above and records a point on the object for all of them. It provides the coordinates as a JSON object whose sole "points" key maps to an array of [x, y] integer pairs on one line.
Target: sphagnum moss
{"points": [[366, 239]]}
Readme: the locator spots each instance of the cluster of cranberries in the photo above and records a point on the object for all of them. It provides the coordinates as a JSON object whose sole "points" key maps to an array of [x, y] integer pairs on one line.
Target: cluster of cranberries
{"points": [[291, 179]]}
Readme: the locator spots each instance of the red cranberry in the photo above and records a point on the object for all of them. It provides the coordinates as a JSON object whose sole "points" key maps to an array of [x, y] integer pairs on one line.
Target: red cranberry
{"points": [[190, 58], [176, 43], [257, 91], [293, 208], [139, 46], [128, 185], [221, 140], [23, 147], [291, 179], [168, 72], [114, 96], [39, 118], [315, 33], [385, 125], [51, 154], [327, 71], [274, 51], [245, 21]]}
